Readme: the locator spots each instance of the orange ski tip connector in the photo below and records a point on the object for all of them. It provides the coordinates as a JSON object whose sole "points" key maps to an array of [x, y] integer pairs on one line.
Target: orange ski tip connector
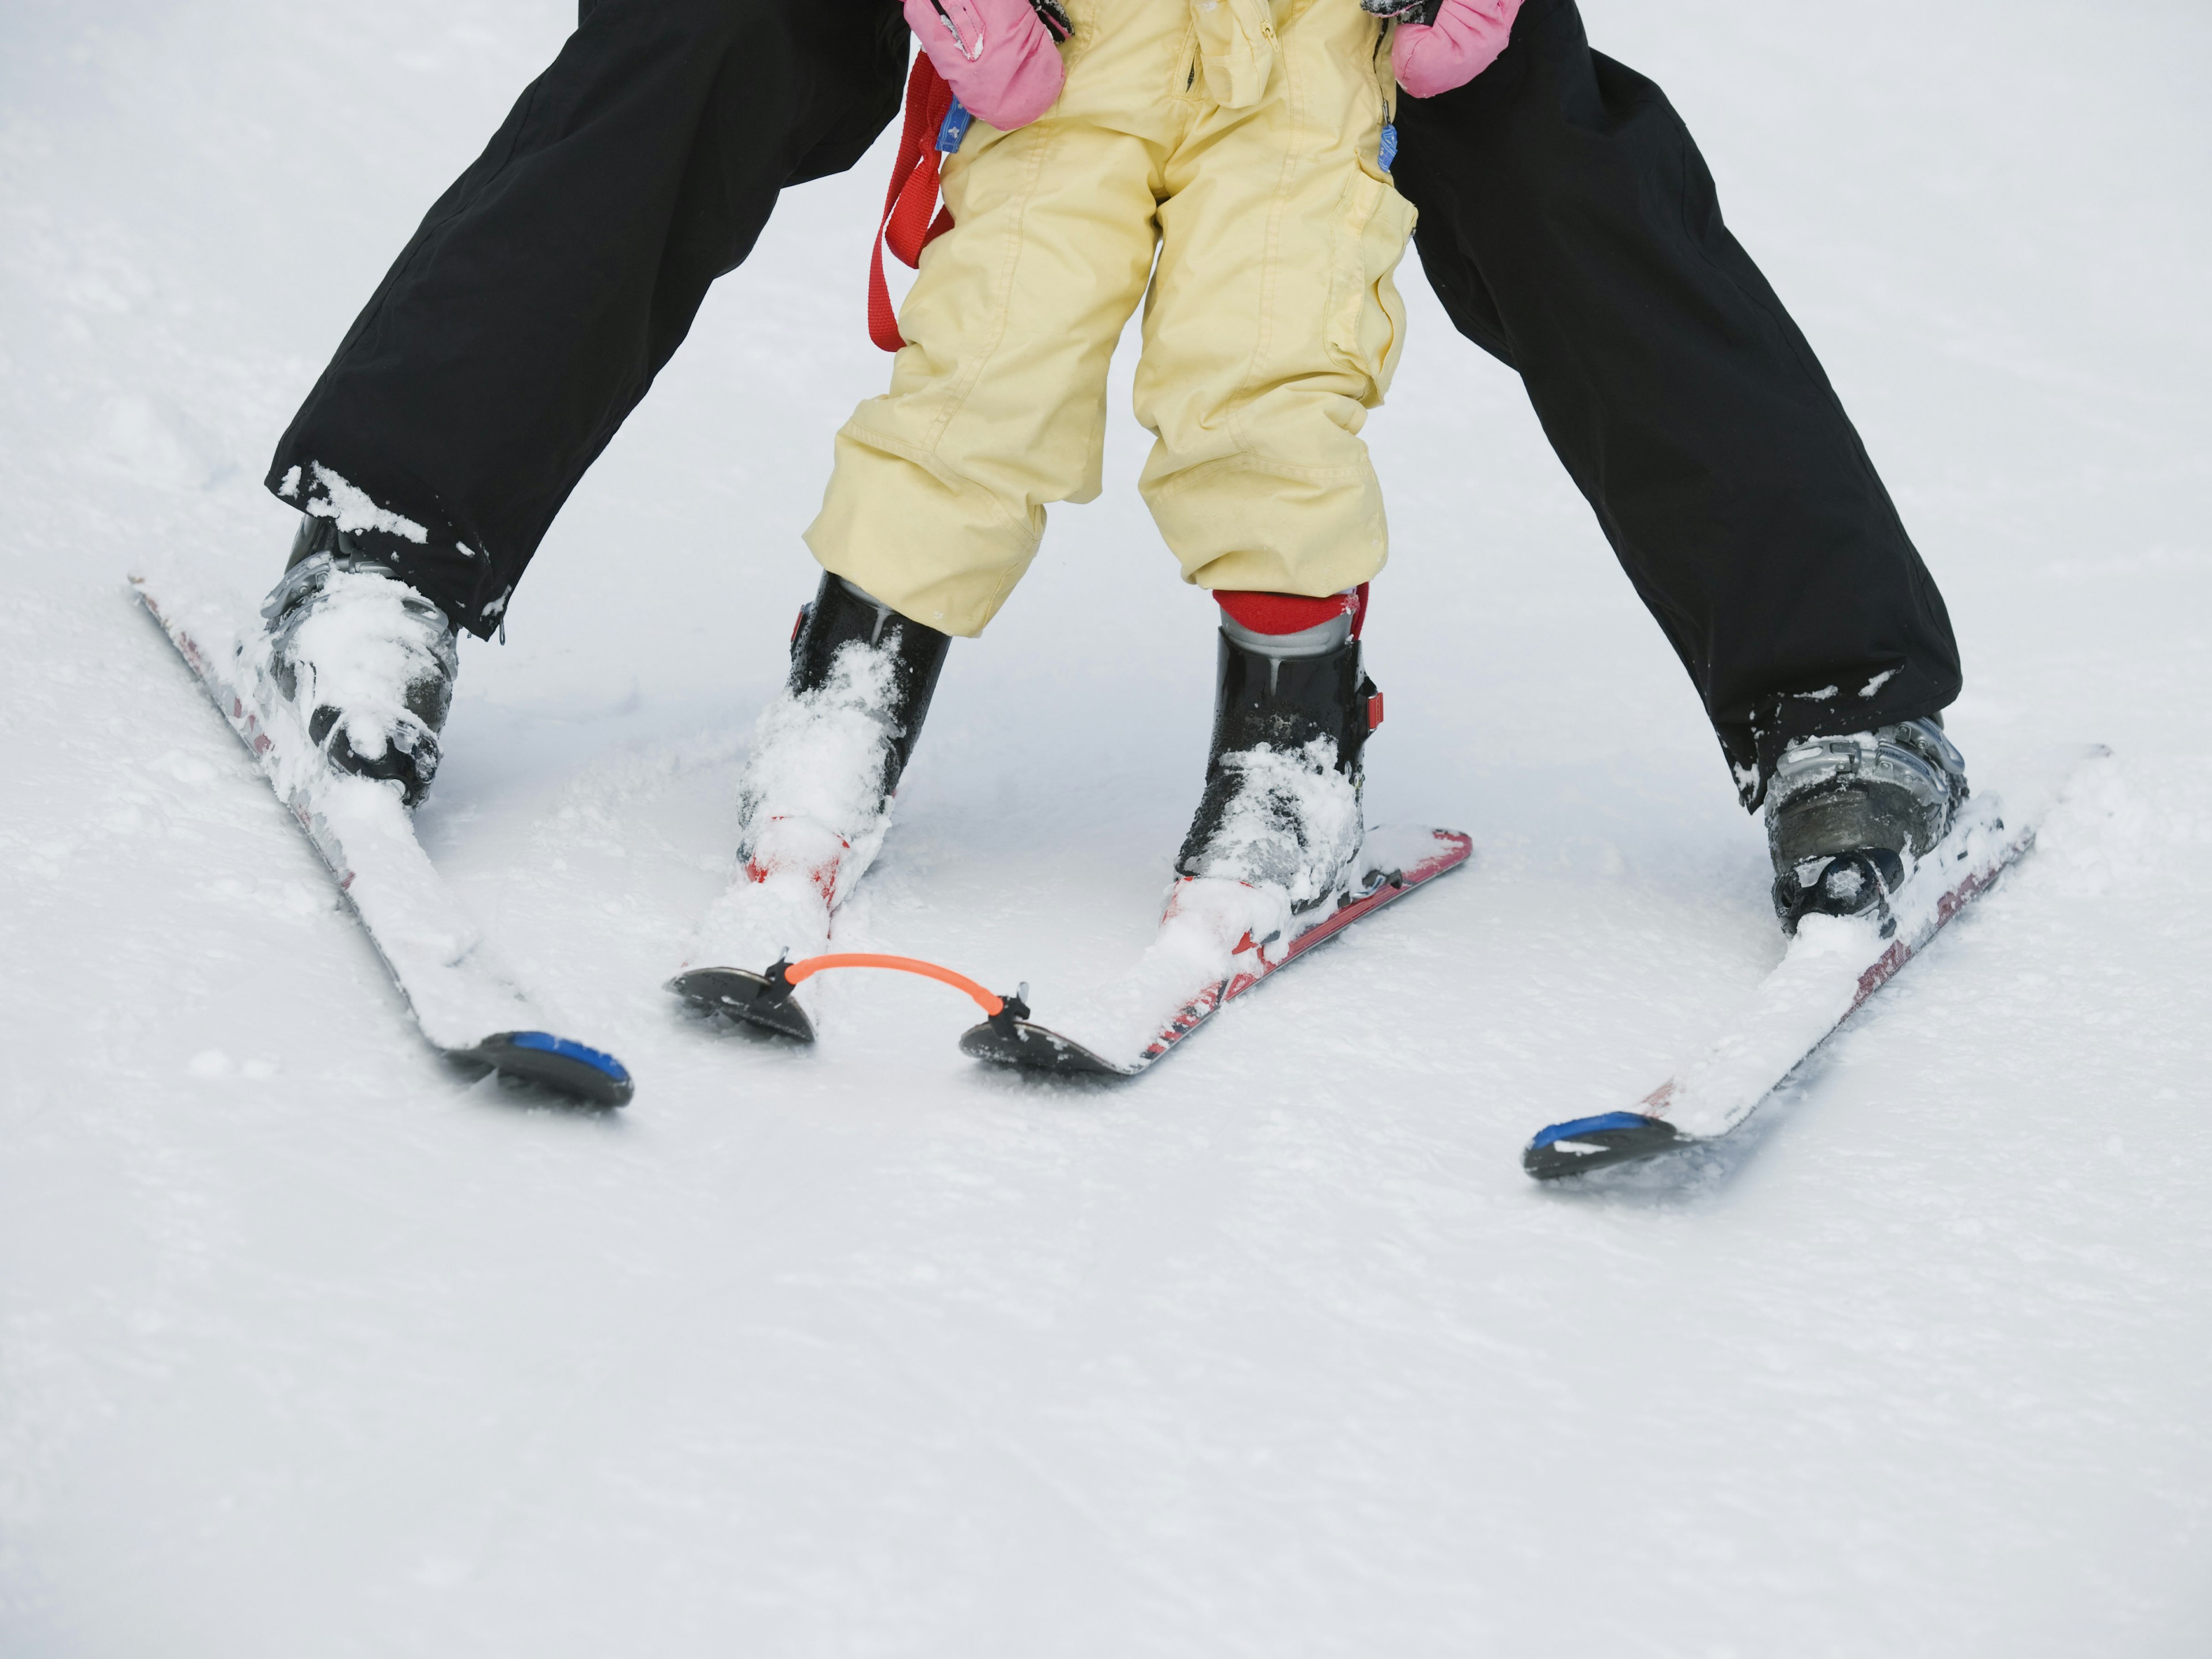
{"points": [[988, 1001]]}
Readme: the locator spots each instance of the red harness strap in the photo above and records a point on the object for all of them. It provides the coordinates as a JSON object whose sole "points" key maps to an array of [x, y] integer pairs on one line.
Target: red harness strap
{"points": [[908, 205]]}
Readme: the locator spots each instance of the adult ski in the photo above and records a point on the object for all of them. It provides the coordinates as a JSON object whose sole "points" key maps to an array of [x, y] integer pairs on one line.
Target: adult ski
{"points": [[1832, 967], [1395, 863], [469, 1006]]}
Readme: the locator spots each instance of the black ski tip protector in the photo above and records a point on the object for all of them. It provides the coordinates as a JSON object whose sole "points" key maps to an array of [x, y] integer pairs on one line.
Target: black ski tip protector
{"points": [[753, 998], [1034, 1049], [557, 1063], [1592, 1143]]}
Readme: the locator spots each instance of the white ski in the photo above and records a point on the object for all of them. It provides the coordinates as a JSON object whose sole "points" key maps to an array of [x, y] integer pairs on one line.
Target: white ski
{"points": [[1833, 966], [467, 1004]]}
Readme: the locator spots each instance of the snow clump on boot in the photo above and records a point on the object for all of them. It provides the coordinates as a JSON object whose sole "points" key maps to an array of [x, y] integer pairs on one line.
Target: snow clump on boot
{"points": [[1292, 822], [811, 813], [369, 665]]}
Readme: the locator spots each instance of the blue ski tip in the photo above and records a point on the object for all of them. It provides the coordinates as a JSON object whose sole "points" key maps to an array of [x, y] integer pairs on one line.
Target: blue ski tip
{"points": [[546, 1041], [1591, 1143], [557, 1063], [1582, 1126]]}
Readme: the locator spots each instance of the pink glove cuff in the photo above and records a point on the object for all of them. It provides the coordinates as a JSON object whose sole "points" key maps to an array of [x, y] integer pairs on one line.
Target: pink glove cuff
{"points": [[994, 54], [1465, 41]]}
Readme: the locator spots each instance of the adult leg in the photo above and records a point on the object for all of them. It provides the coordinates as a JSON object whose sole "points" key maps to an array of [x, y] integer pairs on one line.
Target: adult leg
{"points": [[1570, 228], [544, 291]]}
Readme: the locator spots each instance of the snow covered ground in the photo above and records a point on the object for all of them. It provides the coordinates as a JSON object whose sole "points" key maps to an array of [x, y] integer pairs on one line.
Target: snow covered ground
{"points": [[310, 1347]]}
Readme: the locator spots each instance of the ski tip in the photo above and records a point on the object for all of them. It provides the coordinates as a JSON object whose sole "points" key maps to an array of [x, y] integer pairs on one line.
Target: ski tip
{"points": [[557, 1063], [1032, 1047], [1591, 1143], [746, 996]]}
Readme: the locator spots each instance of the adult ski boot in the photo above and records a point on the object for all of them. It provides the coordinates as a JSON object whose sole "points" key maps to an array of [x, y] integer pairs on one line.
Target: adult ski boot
{"points": [[1281, 810], [368, 660], [814, 801], [1848, 817]]}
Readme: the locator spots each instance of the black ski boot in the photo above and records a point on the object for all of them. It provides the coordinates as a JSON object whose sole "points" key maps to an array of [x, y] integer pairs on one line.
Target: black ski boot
{"points": [[1292, 713], [814, 803], [368, 662], [828, 753], [911, 656], [1848, 817]]}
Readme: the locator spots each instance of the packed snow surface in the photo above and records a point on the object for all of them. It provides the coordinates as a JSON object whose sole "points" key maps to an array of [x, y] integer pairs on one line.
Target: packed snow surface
{"points": [[309, 1344]]}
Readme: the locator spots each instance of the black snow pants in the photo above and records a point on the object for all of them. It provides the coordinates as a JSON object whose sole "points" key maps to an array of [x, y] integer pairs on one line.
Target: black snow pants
{"points": [[1567, 222], [545, 289]]}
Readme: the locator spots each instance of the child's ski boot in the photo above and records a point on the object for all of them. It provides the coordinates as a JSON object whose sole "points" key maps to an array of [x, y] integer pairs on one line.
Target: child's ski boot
{"points": [[1278, 859], [814, 802], [1280, 816]]}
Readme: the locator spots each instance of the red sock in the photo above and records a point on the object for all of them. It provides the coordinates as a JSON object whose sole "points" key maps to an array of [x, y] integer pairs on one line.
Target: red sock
{"points": [[1293, 613]]}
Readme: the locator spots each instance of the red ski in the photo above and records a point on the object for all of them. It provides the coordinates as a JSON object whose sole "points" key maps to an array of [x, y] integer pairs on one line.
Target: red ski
{"points": [[1397, 863]]}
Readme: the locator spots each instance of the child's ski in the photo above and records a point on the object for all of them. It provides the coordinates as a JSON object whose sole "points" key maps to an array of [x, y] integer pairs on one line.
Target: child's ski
{"points": [[1833, 966], [467, 1005], [1396, 863]]}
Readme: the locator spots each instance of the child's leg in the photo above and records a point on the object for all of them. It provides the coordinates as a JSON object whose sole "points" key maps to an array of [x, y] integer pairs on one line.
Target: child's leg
{"points": [[1273, 325], [998, 403]]}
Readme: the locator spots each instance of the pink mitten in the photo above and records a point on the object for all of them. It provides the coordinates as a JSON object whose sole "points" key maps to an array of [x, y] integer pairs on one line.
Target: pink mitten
{"points": [[1464, 40], [996, 55]]}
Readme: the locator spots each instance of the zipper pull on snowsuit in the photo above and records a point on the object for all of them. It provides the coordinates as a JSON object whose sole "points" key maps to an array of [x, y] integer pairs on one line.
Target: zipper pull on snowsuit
{"points": [[1235, 49]]}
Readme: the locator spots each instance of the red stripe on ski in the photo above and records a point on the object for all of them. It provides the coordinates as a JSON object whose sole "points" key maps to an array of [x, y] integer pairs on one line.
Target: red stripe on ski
{"points": [[1039, 1047], [1456, 850]]}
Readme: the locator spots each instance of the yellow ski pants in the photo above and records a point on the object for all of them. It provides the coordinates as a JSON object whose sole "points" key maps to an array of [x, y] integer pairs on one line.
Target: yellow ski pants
{"points": [[1241, 140]]}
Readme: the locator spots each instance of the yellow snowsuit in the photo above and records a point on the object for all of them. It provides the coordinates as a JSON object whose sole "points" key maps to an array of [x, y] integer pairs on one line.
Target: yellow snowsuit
{"points": [[1241, 140]]}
